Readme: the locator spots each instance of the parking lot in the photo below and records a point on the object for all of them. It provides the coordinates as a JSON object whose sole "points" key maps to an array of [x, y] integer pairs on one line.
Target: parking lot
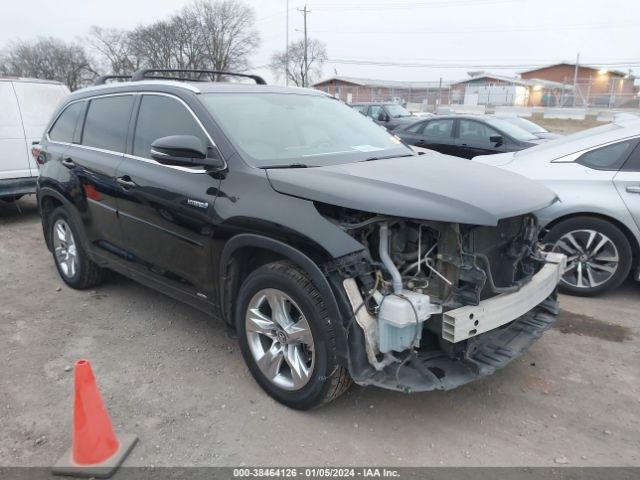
{"points": [[175, 378]]}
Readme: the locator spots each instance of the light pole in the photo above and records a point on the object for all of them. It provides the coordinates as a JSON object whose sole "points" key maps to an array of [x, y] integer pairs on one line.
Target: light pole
{"points": [[286, 55]]}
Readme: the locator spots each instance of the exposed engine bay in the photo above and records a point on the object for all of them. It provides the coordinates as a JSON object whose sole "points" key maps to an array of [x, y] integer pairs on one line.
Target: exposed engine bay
{"points": [[418, 271]]}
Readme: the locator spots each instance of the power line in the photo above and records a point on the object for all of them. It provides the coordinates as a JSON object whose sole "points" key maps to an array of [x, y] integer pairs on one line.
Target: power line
{"points": [[346, 61], [408, 6], [497, 29]]}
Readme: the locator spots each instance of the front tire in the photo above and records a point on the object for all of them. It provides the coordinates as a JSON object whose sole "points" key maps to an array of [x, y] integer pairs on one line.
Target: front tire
{"points": [[287, 338], [74, 265], [598, 255]]}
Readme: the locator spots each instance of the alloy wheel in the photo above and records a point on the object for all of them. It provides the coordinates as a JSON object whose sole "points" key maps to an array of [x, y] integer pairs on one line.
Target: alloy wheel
{"points": [[64, 247], [280, 339], [592, 258]]}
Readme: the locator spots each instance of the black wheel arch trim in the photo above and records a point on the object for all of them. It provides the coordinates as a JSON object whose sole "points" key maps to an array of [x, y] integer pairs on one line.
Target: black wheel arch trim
{"points": [[71, 209], [319, 280]]}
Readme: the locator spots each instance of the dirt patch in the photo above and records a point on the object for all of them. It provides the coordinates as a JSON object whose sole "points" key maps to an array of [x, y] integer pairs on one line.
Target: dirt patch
{"points": [[566, 126], [578, 324]]}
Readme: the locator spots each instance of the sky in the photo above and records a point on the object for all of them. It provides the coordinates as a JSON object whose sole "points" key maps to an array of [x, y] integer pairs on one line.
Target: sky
{"points": [[409, 40]]}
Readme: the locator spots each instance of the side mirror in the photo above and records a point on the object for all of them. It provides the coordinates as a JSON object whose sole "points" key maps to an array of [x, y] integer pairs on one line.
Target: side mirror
{"points": [[184, 151], [497, 139], [383, 117]]}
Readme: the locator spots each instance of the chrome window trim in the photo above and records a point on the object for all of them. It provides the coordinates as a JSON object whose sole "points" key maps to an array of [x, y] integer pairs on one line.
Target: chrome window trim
{"points": [[572, 157], [126, 155]]}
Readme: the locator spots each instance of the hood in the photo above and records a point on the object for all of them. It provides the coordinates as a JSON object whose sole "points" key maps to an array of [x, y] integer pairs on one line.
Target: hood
{"points": [[426, 187], [497, 160], [547, 135]]}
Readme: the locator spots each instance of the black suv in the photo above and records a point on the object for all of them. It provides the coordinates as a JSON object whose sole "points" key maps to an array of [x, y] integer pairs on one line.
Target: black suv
{"points": [[333, 250]]}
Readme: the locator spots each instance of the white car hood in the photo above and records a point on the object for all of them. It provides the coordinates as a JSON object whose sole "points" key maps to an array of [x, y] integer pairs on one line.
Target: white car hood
{"points": [[497, 160]]}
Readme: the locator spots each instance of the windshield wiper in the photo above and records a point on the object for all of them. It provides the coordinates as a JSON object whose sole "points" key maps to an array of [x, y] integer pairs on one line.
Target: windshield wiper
{"points": [[291, 165], [371, 159]]}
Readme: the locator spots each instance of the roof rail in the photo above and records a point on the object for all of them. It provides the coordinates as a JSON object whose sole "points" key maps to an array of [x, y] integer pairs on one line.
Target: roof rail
{"points": [[102, 79], [143, 75]]}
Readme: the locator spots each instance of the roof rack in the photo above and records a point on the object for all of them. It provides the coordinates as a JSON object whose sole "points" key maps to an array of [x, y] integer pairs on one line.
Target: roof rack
{"points": [[144, 75], [102, 79]]}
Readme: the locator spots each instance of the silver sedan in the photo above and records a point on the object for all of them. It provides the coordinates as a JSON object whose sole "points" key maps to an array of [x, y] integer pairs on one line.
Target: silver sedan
{"points": [[596, 175]]}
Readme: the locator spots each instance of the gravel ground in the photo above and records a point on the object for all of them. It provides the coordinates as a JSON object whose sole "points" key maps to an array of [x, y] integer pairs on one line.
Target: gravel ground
{"points": [[175, 378]]}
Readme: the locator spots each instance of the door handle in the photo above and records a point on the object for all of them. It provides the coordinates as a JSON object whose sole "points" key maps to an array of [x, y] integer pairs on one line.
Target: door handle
{"points": [[68, 162], [126, 182], [633, 189]]}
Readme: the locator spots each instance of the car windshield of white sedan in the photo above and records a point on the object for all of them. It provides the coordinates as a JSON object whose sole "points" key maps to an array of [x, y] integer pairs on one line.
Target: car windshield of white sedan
{"points": [[511, 129], [397, 111], [279, 130]]}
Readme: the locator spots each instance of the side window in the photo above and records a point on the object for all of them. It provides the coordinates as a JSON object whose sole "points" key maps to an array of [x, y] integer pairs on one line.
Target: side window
{"points": [[416, 128], [438, 128], [611, 157], [358, 108], [107, 122], [374, 111], [159, 117], [633, 163], [476, 131], [65, 126]]}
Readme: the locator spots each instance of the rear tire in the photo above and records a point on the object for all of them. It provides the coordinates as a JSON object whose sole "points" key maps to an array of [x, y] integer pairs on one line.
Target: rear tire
{"points": [[292, 355], [598, 255], [74, 265]]}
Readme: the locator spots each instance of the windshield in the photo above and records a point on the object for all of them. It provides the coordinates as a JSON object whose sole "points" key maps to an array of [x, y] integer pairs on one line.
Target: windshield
{"points": [[281, 129], [512, 130], [397, 111], [527, 125]]}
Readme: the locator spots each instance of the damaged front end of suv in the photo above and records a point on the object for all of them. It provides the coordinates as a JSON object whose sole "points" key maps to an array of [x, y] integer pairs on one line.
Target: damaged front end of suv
{"points": [[448, 294], [440, 304]]}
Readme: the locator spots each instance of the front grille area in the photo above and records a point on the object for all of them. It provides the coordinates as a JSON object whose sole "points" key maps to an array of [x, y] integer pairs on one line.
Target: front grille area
{"points": [[503, 256]]}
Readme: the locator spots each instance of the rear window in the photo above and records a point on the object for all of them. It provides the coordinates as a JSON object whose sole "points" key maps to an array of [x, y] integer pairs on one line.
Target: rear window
{"points": [[107, 122], [65, 126]]}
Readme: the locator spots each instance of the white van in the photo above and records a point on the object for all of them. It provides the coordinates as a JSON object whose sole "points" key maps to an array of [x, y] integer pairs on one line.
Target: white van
{"points": [[26, 105]]}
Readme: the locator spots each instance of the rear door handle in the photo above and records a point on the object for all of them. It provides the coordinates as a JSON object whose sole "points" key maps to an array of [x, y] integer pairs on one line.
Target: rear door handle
{"points": [[126, 182], [633, 189], [68, 162]]}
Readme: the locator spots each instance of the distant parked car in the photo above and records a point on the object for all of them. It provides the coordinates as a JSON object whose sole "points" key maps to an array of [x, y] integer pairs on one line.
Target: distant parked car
{"points": [[531, 127], [389, 115], [467, 136], [25, 108], [596, 175]]}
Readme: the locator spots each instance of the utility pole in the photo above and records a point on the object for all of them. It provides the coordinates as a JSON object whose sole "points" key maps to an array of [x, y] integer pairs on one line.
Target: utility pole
{"points": [[286, 55], [575, 79], [304, 12]]}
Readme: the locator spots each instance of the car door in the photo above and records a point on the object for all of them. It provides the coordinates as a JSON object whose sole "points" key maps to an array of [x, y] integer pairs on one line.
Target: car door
{"points": [[434, 134], [37, 103], [627, 182], [474, 139], [374, 113], [14, 160], [166, 211], [92, 160]]}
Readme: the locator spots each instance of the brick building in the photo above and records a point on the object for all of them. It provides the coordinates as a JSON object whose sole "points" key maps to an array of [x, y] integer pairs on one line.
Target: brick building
{"points": [[594, 86], [494, 90], [355, 90]]}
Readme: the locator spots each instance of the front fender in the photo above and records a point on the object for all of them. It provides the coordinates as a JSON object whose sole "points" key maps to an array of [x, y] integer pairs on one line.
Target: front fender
{"points": [[316, 276]]}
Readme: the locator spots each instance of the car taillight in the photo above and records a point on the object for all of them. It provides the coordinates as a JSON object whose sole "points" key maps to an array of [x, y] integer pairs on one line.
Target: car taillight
{"points": [[36, 153]]}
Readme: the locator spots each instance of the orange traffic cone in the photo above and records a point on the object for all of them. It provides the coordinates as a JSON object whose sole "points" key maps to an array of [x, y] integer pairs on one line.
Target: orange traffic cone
{"points": [[95, 450]]}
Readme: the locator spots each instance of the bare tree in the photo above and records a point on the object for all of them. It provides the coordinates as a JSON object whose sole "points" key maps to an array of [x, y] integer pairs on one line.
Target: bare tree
{"points": [[216, 35], [295, 69], [226, 28], [50, 59], [113, 47]]}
